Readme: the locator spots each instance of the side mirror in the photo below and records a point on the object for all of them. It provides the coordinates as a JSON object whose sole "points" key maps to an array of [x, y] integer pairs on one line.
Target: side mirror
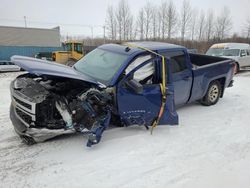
{"points": [[134, 86], [243, 54]]}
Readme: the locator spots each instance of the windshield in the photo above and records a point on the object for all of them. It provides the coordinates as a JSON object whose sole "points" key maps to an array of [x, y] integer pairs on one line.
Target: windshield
{"points": [[223, 52], [69, 46], [100, 64]]}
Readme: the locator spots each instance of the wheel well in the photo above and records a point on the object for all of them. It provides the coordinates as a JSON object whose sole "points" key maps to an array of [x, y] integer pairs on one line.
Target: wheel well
{"points": [[222, 83], [238, 67]]}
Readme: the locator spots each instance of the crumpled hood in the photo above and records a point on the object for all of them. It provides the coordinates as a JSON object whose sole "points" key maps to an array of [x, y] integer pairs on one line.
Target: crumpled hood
{"points": [[43, 67]]}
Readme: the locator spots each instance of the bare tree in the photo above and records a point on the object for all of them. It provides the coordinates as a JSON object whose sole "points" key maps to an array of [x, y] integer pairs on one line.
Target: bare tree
{"points": [[111, 22], [209, 24], [193, 23], [163, 15], [131, 34], [119, 22], [201, 25], [171, 18], [123, 17], [154, 21], [148, 18], [246, 29], [159, 25], [185, 18], [140, 23], [223, 24]]}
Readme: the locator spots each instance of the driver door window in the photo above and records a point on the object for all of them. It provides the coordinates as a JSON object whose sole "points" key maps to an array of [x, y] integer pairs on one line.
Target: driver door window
{"points": [[145, 74], [243, 53]]}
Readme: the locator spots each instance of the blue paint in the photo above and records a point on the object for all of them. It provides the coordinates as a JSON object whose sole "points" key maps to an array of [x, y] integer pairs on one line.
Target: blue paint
{"points": [[42, 67], [142, 108], [97, 130]]}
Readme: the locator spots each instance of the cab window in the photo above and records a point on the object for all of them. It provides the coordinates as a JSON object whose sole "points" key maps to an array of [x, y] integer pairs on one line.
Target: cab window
{"points": [[177, 60], [144, 75], [78, 48], [69, 47], [243, 53]]}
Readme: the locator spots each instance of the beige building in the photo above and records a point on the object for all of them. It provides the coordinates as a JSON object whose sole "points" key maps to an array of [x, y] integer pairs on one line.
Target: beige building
{"points": [[20, 36]]}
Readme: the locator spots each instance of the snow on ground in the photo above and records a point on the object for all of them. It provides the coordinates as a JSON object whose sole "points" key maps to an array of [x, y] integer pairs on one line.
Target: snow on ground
{"points": [[210, 148]]}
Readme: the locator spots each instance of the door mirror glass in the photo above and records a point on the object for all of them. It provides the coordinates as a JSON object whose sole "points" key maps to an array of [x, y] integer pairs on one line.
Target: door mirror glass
{"points": [[243, 53], [134, 86]]}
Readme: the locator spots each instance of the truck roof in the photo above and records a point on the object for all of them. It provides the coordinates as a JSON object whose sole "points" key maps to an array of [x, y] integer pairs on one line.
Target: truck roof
{"points": [[156, 45], [231, 45], [149, 45]]}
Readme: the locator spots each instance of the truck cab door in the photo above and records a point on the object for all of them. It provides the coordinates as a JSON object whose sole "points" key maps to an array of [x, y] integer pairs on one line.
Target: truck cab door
{"points": [[139, 95], [244, 58], [248, 57], [77, 53], [182, 76]]}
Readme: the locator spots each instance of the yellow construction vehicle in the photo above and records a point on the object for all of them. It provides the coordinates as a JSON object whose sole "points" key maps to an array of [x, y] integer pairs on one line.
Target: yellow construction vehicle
{"points": [[74, 52]]}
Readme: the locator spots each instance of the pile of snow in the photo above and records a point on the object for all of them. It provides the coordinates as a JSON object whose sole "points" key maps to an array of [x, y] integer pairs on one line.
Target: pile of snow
{"points": [[210, 148]]}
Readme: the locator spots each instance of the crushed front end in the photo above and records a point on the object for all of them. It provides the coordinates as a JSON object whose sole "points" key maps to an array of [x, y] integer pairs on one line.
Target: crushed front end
{"points": [[45, 107]]}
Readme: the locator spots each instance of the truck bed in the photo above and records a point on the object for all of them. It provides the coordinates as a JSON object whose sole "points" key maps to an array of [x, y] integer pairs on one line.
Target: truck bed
{"points": [[199, 60], [206, 69]]}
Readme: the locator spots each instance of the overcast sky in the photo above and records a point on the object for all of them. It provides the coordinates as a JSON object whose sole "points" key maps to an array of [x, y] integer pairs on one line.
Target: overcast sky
{"points": [[92, 12]]}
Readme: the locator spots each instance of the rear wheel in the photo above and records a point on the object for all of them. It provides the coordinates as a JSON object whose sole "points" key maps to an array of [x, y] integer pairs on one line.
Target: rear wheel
{"points": [[213, 94], [237, 68]]}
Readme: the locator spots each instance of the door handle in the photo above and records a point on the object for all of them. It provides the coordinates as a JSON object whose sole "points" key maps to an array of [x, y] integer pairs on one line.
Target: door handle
{"points": [[186, 78]]}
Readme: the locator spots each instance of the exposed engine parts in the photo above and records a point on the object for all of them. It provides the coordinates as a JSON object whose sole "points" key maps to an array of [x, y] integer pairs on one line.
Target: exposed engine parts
{"points": [[62, 109], [62, 104]]}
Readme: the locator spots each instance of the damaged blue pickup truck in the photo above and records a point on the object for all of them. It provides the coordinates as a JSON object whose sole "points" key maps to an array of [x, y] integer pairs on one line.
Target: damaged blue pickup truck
{"points": [[139, 83]]}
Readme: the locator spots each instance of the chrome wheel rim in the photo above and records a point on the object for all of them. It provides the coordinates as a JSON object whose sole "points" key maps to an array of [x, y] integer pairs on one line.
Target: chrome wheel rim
{"points": [[213, 93]]}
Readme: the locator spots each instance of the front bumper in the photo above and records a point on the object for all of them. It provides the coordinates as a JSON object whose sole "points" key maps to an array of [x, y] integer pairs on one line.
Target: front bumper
{"points": [[25, 114], [23, 117], [38, 134]]}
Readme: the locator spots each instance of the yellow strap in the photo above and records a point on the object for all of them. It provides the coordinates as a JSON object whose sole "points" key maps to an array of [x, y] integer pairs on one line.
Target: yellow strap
{"points": [[162, 85]]}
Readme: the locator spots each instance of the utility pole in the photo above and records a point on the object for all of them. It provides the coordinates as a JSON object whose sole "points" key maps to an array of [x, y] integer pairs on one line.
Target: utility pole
{"points": [[92, 32], [92, 35], [104, 34], [25, 22]]}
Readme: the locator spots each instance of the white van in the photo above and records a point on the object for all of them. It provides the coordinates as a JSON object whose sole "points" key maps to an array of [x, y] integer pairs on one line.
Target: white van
{"points": [[240, 52]]}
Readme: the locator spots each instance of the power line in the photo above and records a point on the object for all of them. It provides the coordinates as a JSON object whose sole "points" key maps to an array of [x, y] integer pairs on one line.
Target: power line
{"points": [[90, 27], [51, 23]]}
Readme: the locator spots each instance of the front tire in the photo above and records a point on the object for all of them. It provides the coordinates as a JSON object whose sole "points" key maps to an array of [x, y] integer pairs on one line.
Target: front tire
{"points": [[213, 94]]}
